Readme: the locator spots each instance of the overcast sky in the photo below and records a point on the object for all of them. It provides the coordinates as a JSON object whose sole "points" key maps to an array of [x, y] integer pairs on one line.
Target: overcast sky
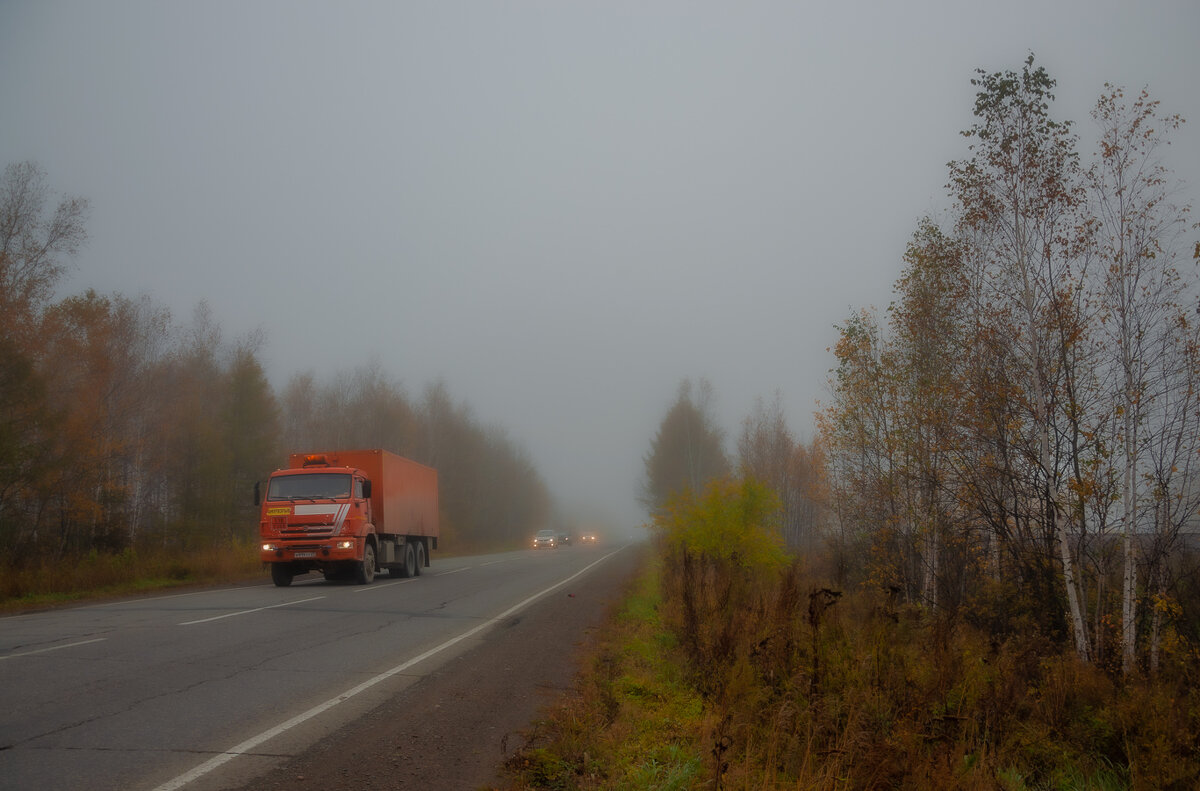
{"points": [[559, 208]]}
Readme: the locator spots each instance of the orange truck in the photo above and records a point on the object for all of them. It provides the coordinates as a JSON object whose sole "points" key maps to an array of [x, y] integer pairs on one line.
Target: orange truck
{"points": [[348, 514]]}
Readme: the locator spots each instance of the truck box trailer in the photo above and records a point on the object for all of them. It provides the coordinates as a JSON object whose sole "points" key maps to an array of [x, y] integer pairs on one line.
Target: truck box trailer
{"points": [[348, 513]]}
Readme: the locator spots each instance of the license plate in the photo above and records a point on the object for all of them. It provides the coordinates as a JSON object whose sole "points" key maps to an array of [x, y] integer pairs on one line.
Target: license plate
{"points": [[305, 555]]}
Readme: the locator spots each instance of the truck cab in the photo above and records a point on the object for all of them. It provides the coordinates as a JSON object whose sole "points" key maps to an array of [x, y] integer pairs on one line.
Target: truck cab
{"points": [[317, 517]]}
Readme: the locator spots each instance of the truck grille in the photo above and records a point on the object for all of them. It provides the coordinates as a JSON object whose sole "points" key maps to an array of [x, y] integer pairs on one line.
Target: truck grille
{"points": [[308, 530]]}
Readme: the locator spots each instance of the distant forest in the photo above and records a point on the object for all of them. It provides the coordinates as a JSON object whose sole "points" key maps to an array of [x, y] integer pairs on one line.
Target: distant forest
{"points": [[121, 427]]}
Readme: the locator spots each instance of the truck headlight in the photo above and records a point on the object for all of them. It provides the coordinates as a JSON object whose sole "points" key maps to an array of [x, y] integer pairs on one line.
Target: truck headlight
{"points": [[344, 545], [268, 547]]}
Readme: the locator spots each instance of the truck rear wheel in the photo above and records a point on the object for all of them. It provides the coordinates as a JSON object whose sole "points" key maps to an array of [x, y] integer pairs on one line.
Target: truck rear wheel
{"points": [[410, 561], [364, 573], [281, 574], [408, 566], [420, 557]]}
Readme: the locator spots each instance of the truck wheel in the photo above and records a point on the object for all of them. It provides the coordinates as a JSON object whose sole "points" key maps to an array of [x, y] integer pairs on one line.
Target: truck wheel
{"points": [[410, 562], [420, 557], [281, 574], [364, 573]]}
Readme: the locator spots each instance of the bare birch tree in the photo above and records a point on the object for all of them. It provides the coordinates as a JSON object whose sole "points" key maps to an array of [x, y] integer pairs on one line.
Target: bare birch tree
{"points": [[33, 244], [1140, 294], [1019, 194]]}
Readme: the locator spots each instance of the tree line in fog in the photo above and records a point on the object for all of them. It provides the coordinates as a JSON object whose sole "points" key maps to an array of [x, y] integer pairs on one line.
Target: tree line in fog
{"points": [[121, 426], [688, 452]]}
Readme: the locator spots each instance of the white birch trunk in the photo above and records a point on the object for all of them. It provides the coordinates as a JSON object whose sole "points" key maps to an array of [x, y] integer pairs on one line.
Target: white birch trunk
{"points": [[1129, 579], [1046, 457]]}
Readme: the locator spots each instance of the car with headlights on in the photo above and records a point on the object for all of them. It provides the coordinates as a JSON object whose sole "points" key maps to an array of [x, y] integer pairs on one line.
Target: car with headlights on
{"points": [[545, 539]]}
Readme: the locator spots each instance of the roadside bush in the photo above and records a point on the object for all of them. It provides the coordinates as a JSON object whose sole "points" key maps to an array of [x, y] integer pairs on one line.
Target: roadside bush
{"points": [[721, 553]]}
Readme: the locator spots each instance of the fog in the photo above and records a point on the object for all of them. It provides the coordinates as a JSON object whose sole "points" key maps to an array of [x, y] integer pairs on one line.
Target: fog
{"points": [[560, 209]]}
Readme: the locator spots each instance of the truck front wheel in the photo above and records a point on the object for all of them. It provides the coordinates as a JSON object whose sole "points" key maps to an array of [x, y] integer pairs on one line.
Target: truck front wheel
{"points": [[281, 574], [364, 573]]}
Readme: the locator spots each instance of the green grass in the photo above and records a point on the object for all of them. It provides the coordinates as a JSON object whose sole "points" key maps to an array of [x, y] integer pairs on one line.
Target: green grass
{"points": [[632, 722]]}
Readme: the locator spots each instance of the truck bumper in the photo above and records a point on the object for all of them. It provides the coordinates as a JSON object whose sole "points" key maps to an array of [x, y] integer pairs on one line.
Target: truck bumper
{"points": [[309, 553]]}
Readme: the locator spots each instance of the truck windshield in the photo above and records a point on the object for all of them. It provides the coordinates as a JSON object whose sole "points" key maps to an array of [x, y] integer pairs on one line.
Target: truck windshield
{"points": [[314, 486]]}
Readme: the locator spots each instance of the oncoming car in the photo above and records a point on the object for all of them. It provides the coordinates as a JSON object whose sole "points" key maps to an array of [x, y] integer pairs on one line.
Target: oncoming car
{"points": [[587, 538], [545, 539]]}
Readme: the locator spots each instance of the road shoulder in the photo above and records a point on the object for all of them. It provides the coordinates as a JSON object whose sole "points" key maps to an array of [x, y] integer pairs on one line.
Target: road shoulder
{"points": [[455, 727]]}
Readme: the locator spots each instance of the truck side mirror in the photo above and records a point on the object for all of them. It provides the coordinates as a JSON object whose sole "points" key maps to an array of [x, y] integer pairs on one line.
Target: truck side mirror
{"points": [[367, 489], [257, 493]]}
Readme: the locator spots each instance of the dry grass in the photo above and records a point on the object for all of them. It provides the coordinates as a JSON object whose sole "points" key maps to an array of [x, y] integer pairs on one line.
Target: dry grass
{"points": [[97, 575], [814, 692]]}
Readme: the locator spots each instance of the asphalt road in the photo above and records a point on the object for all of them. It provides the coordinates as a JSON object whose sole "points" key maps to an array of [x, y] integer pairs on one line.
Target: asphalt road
{"points": [[213, 688]]}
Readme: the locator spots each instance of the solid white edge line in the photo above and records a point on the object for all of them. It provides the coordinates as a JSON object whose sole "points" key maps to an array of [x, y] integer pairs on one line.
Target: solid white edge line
{"points": [[246, 612], [237, 750], [53, 648]]}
